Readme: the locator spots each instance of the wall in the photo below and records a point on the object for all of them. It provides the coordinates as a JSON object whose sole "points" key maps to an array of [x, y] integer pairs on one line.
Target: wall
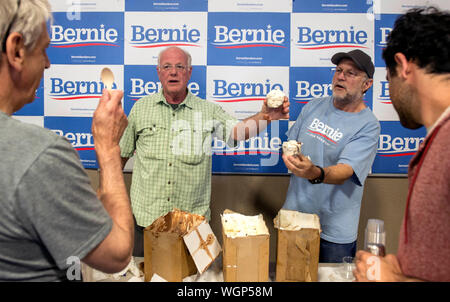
{"points": [[240, 50], [384, 198]]}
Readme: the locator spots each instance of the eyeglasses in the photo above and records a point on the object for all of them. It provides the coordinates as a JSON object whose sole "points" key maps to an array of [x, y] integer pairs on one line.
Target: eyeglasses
{"points": [[347, 73], [9, 27], [177, 67]]}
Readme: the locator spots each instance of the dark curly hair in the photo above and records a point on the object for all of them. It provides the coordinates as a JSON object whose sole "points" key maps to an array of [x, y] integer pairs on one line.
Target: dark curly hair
{"points": [[423, 36]]}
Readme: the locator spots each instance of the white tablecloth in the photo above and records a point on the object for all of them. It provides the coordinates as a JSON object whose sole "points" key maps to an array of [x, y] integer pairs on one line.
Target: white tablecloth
{"points": [[328, 272]]}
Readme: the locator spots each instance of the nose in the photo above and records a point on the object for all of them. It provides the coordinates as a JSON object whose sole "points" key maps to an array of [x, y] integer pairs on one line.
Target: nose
{"points": [[47, 62]]}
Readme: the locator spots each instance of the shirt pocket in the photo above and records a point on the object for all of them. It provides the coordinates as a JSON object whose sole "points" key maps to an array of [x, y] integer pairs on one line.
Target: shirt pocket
{"points": [[191, 146], [151, 141]]}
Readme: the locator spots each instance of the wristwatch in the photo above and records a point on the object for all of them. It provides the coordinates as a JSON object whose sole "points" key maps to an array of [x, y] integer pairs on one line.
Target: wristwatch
{"points": [[319, 179]]}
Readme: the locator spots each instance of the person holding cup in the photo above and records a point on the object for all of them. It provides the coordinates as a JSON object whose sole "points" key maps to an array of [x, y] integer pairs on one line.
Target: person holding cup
{"points": [[418, 71]]}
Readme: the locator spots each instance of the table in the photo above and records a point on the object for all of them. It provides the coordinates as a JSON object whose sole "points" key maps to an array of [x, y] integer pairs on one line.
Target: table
{"points": [[328, 272]]}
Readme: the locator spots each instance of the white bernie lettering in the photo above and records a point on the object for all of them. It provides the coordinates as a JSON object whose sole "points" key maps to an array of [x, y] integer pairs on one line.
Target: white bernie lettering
{"points": [[399, 144], [235, 35], [305, 89], [385, 31], [139, 87], [331, 133], [77, 139], [254, 143], [307, 35]]}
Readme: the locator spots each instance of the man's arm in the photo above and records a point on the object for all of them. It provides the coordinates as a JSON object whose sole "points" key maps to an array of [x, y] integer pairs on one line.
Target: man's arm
{"points": [[109, 122], [253, 125], [382, 269], [302, 166]]}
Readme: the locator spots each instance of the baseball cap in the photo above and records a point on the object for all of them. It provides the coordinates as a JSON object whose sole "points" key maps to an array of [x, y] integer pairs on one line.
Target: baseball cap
{"points": [[361, 59]]}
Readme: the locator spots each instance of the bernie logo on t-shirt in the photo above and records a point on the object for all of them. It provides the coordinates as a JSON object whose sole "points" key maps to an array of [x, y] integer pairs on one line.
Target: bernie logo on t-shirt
{"points": [[329, 133]]}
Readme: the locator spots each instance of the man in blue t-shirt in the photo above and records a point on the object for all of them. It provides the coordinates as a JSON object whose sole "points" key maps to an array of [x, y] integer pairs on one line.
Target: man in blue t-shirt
{"points": [[339, 136]]}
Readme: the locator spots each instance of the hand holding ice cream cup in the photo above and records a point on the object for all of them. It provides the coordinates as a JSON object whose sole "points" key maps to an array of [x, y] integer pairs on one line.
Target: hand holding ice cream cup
{"points": [[292, 148], [276, 105], [275, 98]]}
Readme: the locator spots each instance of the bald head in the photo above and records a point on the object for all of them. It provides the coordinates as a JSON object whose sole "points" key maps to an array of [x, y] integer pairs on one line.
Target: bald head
{"points": [[175, 49]]}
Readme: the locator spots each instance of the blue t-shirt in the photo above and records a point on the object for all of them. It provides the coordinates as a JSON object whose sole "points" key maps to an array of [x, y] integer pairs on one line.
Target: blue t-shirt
{"points": [[331, 136]]}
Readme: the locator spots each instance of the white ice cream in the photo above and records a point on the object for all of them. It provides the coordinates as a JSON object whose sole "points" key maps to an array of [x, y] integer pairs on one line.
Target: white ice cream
{"points": [[275, 98], [294, 220], [292, 148], [238, 225]]}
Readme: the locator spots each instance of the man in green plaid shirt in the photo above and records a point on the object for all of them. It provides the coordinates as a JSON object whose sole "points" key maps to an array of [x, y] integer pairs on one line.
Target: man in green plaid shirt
{"points": [[170, 134]]}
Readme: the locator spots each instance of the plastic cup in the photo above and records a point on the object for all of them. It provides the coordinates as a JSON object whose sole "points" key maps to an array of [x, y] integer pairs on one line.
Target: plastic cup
{"points": [[348, 266]]}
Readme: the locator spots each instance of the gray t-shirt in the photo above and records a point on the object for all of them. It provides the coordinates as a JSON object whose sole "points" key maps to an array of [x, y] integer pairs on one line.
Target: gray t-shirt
{"points": [[49, 211]]}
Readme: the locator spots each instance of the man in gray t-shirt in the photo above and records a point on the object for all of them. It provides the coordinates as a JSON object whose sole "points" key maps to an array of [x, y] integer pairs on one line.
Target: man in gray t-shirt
{"points": [[51, 218], [49, 210]]}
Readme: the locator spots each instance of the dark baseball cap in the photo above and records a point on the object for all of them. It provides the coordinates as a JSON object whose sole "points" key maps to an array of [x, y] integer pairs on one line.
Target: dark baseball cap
{"points": [[361, 59]]}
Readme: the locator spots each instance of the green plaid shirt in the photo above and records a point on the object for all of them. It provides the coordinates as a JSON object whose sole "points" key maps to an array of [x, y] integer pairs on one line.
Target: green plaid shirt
{"points": [[172, 165]]}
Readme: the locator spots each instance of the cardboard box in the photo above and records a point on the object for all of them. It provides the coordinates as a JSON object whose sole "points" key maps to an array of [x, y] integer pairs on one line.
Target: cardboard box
{"points": [[298, 246], [165, 252], [245, 249]]}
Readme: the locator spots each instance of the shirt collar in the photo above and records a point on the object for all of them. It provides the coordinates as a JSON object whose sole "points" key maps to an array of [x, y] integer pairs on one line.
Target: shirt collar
{"points": [[188, 102], [444, 114]]}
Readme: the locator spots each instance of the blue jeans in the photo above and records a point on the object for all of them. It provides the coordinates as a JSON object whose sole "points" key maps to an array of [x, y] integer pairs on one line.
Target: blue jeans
{"points": [[334, 252]]}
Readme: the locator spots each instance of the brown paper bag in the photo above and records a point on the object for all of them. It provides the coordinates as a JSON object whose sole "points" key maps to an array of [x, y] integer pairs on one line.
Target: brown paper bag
{"points": [[245, 259], [165, 252], [297, 246]]}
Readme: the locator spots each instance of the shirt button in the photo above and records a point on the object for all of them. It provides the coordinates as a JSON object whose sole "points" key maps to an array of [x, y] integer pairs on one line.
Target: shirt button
{"points": [[168, 182], [168, 199], [170, 164]]}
